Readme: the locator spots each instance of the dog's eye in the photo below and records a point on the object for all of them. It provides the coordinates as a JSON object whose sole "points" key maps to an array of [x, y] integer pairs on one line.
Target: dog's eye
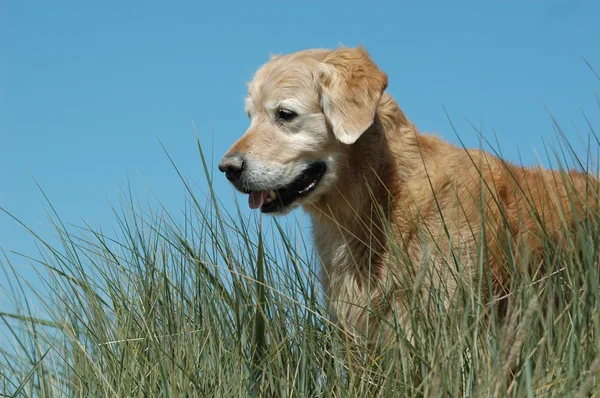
{"points": [[286, 115]]}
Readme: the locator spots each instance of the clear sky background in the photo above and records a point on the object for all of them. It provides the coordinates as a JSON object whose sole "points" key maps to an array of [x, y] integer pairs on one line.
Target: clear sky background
{"points": [[89, 88]]}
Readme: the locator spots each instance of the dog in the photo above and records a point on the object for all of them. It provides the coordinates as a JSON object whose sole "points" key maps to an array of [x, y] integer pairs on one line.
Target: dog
{"points": [[325, 135]]}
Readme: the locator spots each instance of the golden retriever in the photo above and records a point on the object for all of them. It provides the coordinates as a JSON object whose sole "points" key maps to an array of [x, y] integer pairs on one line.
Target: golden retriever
{"points": [[325, 135]]}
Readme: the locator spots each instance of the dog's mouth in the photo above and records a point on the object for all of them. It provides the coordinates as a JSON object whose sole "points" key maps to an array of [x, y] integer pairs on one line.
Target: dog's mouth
{"points": [[277, 199]]}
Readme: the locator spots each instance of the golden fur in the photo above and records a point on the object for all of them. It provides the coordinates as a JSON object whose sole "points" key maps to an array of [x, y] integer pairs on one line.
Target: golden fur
{"points": [[387, 185]]}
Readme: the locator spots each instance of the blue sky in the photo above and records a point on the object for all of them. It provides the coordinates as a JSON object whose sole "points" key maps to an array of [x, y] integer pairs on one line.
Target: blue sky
{"points": [[88, 89]]}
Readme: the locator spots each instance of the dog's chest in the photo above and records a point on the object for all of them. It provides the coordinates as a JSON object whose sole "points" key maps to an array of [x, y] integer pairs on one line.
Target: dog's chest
{"points": [[342, 258], [335, 250]]}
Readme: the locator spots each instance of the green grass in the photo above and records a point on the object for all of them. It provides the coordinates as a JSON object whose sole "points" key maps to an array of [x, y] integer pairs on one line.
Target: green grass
{"points": [[208, 303]]}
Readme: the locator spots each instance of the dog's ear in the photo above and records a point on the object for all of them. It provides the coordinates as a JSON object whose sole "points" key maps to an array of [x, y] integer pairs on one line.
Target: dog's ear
{"points": [[351, 88]]}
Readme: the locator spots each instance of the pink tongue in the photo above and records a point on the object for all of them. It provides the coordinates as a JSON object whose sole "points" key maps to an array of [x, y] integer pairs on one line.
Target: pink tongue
{"points": [[256, 199]]}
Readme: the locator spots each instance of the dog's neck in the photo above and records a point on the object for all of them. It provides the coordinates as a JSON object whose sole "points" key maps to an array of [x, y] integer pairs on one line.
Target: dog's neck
{"points": [[351, 220]]}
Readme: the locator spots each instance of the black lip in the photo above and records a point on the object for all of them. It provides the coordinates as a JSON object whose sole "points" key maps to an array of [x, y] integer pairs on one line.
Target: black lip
{"points": [[304, 184]]}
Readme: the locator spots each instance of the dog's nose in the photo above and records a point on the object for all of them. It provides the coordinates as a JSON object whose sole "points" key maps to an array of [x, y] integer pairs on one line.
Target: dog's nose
{"points": [[232, 165]]}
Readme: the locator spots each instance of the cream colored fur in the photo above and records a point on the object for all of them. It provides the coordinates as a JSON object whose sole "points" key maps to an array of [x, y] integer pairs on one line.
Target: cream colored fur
{"points": [[389, 188]]}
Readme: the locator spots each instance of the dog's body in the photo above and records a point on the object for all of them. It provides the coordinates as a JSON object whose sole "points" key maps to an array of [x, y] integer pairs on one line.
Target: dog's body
{"points": [[326, 136]]}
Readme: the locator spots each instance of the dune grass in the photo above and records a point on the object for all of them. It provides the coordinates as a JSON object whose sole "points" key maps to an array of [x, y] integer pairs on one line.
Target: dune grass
{"points": [[211, 303]]}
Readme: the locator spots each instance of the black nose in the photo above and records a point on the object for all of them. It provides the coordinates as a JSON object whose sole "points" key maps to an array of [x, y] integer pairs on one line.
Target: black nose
{"points": [[232, 165]]}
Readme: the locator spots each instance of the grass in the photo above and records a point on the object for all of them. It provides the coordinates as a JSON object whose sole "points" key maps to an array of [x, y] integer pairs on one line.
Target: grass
{"points": [[211, 303]]}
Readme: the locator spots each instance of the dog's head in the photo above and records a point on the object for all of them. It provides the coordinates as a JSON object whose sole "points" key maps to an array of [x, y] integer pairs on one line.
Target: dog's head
{"points": [[305, 109]]}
